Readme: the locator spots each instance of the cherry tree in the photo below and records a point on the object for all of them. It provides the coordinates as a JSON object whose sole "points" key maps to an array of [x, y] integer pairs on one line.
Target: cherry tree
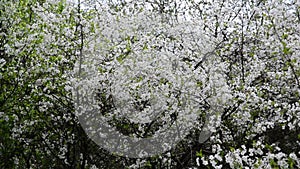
{"points": [[252, 44], [149, 84], [38, 45]]}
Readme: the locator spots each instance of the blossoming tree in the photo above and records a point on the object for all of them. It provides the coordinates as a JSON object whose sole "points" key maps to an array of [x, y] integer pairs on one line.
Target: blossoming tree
{"points": [[150, 84]]}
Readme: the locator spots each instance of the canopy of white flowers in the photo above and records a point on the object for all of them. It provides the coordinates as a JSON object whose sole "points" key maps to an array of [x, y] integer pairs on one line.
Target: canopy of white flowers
{"points": [[148, 83], [150, 70]]}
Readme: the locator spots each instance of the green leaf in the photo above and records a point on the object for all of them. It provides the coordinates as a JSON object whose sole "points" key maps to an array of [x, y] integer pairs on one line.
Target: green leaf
{"points": [[291, 162], [274, 164], [60, 7], [286, 50], [148, 164], [269, 147], [284, 36], [121, 58], [199, 154], [145, 47]]}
